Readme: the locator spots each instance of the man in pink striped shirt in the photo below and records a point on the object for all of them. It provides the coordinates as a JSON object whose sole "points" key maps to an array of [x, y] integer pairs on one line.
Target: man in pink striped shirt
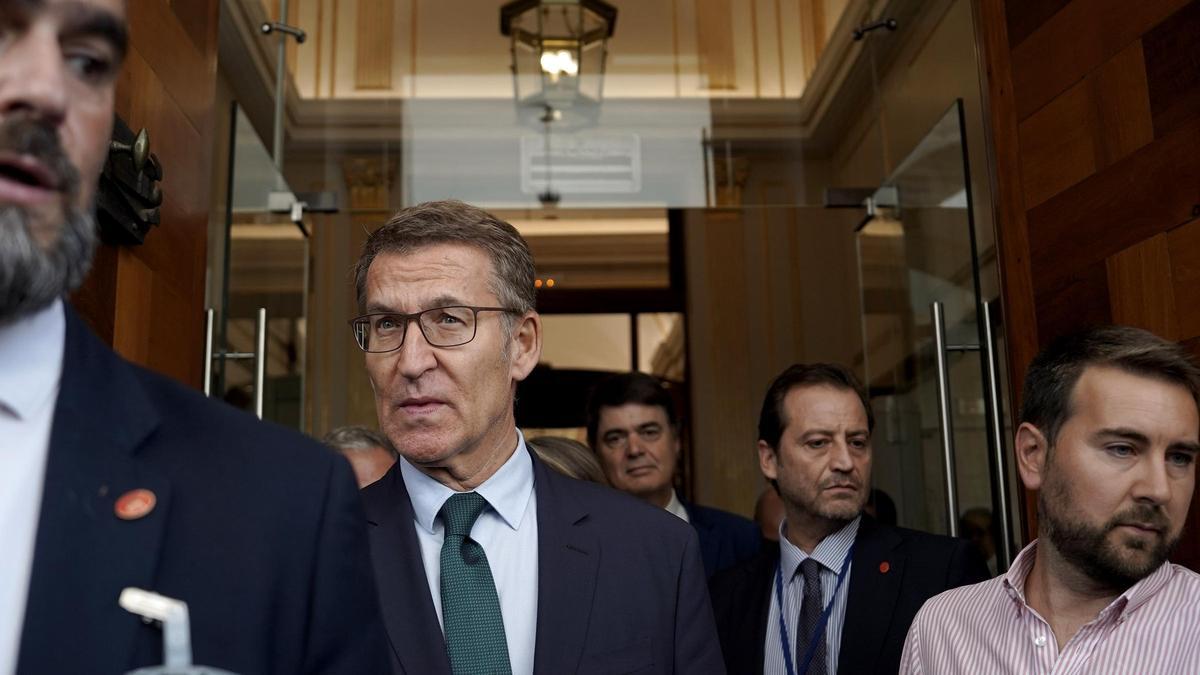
{"points": [[1110, 430]]}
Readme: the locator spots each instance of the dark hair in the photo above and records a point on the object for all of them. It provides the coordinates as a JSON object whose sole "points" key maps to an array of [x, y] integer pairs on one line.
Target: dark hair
{"points": [[449, 222], [771, 421], [1051, 378], [345, 439], [618, 390], [568, 457]]}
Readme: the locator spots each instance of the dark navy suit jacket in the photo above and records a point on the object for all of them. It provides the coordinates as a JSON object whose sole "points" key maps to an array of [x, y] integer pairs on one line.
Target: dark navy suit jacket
{"points": [[258, 529], [881, 602], [726, 539], [620, 585]]}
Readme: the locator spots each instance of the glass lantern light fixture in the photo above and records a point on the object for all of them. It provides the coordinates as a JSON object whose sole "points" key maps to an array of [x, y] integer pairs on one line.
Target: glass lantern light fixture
{"points": [[558, 49]]}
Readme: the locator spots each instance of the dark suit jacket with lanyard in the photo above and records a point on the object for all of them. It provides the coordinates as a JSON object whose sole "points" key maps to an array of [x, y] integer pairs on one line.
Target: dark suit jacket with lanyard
{"points": [[621, 588], [881, 602], [257, 528]]}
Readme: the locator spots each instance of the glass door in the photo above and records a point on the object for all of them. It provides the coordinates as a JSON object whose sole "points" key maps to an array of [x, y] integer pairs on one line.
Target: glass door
{"points": [[257, 325], [929, 349]]}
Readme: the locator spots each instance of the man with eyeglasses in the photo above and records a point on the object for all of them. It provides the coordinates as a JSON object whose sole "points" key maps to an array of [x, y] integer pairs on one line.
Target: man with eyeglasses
{"points": [[114, 478], [487, 560], [632, 427]]}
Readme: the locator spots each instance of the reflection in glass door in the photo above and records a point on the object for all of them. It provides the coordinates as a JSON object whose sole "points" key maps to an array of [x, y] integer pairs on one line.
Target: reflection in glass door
{"points": [[257, 335], [929, 355]]}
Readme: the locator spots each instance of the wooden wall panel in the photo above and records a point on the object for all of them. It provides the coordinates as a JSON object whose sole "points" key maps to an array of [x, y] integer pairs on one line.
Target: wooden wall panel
{"points": [[1074, 41], [1095, 122], [1141, 289], [1173, 69], [1183, 245], [1147, 193], [718, 63], [1081, 303], [373, 46], [1024, 17], [148, 300]]}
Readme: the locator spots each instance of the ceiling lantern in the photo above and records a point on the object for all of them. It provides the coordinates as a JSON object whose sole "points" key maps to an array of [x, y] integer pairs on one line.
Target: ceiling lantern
{"points": [[559, 49]]}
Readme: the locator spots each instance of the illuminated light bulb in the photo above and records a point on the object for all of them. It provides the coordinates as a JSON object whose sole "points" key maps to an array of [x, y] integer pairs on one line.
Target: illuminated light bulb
{"points": [[559, 63], [550, 283], [537, 283]]}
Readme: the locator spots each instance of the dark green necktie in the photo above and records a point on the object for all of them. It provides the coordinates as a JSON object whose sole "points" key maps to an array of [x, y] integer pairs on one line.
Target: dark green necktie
{"points": [[470, 607]]}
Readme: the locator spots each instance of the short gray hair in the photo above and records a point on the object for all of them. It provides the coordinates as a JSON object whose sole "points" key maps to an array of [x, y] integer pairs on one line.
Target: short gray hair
{"points": [[350, 438], [449, 222]]}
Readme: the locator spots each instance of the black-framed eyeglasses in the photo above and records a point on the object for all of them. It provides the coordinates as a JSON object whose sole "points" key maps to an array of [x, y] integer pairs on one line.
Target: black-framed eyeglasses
{"points": [[453, 326]]}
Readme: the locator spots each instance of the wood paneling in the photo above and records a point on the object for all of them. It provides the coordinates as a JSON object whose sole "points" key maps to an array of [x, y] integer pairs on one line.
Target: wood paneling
{"points": [[373, 45], [1074, 41], [148, 300], [1173, 69], [718, 65], [1183, 244], [1080, 304], [1103, 118], [1147, 193], [1095, 122], [1141, 289], [1022, 18]]}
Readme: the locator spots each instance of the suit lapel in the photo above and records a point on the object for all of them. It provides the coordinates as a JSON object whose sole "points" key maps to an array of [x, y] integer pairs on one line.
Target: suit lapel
{"points": [[408, 612], [568, 560], [871, 601], [84, 555]]}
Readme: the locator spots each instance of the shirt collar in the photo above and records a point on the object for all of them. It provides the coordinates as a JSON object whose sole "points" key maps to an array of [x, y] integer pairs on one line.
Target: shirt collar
{"points": [[31, 360], [831, 552], [676, 507], [507, 491], [1133, 597]]}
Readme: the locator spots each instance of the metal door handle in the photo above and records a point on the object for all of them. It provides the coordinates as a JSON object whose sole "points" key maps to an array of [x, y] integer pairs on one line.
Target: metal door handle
{"points": [[209, 316], [944, 414], [260, 360], [997, 431], [259, 355]]}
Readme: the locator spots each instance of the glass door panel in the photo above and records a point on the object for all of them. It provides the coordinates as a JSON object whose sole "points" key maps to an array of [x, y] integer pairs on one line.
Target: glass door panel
{"points": [[937, 448], [259, 329]]}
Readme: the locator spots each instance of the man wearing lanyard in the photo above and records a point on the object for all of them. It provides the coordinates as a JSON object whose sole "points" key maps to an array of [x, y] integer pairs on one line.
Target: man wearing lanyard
{"points": [[838, 593]]}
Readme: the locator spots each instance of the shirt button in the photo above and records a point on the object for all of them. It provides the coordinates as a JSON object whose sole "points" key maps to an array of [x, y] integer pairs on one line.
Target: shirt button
{"points": [[1040, 640]]}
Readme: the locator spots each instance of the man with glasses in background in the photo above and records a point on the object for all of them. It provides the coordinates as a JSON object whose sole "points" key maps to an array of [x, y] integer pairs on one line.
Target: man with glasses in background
{"points": [[488, 561], [632, 427], [113, 478]]}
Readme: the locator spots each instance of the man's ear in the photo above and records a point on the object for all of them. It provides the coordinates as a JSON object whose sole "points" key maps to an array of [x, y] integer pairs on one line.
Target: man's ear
{"points": [[1033, 450], [525, 347], [768, 461]]}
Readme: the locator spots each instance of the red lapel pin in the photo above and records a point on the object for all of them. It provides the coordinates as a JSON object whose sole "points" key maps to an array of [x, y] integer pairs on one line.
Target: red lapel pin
{"points": [[135, 504], [884, 567]]}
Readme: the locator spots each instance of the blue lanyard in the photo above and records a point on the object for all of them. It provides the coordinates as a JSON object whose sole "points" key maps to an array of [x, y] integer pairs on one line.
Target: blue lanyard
{"points": [[820, 632]]}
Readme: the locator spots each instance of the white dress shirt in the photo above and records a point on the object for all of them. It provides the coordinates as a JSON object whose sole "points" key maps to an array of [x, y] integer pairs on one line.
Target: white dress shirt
{"points": [[31, 363], [507, 531], [676, 507], [831, 553]]}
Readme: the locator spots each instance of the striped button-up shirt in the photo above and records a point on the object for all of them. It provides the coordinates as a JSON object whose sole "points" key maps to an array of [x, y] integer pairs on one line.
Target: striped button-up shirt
{"points": [[1153, 627], [831, 553]]}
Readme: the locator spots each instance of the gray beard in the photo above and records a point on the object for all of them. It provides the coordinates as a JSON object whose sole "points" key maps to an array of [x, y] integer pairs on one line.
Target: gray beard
{"points": [[32, 277]]}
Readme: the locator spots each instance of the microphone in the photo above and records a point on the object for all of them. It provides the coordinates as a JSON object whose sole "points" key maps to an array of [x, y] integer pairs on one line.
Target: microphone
{"points": [[172, 615]]}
